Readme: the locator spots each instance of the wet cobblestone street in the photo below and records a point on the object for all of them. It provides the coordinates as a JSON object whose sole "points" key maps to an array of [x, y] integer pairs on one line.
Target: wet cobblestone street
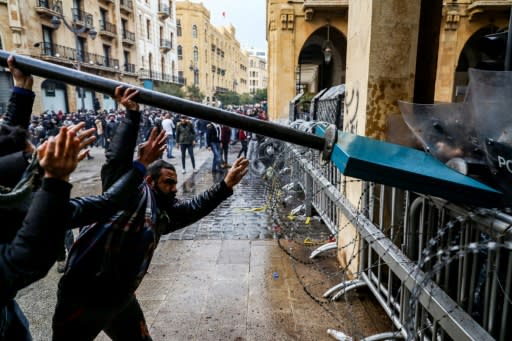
{"points": [[234, 275]]}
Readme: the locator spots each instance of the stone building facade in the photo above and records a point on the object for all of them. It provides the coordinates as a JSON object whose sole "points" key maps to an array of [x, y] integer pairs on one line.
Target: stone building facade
{"points": [[210, 58], [101, 37], [383, 51], [155, 23], [297, 32], [258, 75]]}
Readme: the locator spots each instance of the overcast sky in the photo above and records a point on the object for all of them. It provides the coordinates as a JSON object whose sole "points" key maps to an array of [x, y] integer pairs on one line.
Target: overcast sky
{"points": [[247, 16]]}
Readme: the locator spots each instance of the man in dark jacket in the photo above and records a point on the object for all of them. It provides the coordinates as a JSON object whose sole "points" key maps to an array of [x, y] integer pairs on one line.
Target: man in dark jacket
{"points": [[97, 291], [28, 246], [185, 139], [213, 142]]}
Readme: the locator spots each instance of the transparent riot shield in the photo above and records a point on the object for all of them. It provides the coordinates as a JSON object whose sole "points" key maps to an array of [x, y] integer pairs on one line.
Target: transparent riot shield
{"points": [[489, 103], [446, 132]]}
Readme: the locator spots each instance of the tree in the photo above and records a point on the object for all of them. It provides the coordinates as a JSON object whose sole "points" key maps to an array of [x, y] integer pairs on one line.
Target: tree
{"points": [[246, 98], [260, 95], [228, 98], [194, 94], [171, 89]]}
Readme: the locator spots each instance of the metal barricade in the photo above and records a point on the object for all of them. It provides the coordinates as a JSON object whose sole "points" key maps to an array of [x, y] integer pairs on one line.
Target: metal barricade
{"points": [[440, 271]]}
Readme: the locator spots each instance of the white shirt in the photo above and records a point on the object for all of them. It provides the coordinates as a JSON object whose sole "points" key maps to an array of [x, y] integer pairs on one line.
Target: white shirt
{"points": [[168, 126]]}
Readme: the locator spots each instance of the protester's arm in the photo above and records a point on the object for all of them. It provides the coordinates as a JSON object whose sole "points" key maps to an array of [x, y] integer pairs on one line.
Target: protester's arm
{"points": [[19, 108], [119, 154], [34, 249], [124, 192], [185, 212]]}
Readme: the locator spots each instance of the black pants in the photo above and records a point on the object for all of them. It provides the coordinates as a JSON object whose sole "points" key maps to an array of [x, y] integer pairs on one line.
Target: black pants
{"points": [[190, 148], [244, 149], [77, 318], [224, 151]]}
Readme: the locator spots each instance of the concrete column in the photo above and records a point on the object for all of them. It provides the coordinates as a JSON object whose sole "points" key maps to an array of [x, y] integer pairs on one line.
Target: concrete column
{"points": [[282, 61], [447, 59], [381, 61]]}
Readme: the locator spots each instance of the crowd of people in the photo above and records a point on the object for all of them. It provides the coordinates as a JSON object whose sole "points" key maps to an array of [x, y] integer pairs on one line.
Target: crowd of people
{"points": [[183, 133], [119, 229]]}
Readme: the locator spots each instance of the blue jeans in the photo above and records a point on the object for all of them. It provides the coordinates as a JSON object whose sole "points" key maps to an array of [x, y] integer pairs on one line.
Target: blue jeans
{"points": [[217, 159], [170, 145]]}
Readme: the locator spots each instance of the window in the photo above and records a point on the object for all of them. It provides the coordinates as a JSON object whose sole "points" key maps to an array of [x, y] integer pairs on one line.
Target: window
{"points": [[47, 41], [126, 55], [178, 27], [106, 55], [194, 31], [180, 52], [196, 54], [148, 29], [80, 49]]}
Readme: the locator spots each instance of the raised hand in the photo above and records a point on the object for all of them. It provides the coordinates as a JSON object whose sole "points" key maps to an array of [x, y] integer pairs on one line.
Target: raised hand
{"points": [[60, 155], [125, 97], [237, 171], [153, 148], [21, 80]]}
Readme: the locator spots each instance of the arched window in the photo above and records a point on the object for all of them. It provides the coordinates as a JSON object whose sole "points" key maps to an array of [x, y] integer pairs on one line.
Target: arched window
{"points": [[196, 54], [194, 31], [180, 52]]}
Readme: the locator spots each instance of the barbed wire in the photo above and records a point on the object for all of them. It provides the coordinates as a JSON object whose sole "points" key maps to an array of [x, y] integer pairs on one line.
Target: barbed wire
{"points": [[443, 241]]}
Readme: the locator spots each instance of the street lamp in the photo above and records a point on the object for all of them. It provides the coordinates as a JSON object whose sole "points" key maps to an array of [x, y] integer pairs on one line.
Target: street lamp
{"points": [[327, 47], [77, 30]]}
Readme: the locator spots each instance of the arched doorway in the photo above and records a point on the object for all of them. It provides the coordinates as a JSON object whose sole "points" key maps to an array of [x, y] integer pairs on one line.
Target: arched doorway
{"points": [[322, 60], [54, 96], [481, 53]]}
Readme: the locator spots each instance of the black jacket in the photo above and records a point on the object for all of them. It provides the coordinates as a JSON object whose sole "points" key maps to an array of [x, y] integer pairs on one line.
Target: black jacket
{"points": [[173, 217], [170, 216], [34, 249]]}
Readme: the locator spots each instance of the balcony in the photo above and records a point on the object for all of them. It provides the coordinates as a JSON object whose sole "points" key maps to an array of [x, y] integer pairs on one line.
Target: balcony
{"points": [[48, 8], [163, 11], [312, 6], [68, 56], [128, 38], [129, 68], [165, 45], [481, 6], [82, 18], [107, 29], [126, 6], [162, 77]]}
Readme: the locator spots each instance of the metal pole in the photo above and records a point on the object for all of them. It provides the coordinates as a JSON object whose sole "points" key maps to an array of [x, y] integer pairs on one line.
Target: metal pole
{"points": [[164, 101]]}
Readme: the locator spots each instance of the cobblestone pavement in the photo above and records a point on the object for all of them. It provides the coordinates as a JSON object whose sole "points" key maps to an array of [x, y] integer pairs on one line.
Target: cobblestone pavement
{"points": [[227, 277]]}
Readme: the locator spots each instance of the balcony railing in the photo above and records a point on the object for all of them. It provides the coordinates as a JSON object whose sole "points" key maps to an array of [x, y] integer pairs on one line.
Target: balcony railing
{"points": [[82, 18], [164, 77], [107, 28], [126, 6], [165, 44], [128, 37], [69, 55], [48, 8], [163, 10]]}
